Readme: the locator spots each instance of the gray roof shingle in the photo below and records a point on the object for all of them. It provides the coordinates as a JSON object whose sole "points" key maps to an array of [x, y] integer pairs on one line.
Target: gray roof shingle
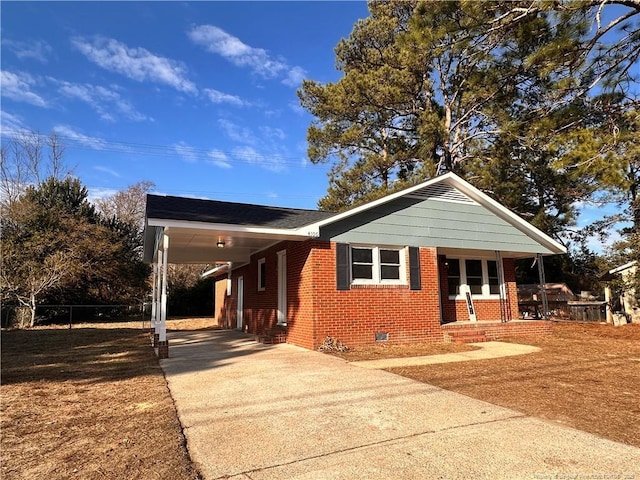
{"points": [[214, 211]]}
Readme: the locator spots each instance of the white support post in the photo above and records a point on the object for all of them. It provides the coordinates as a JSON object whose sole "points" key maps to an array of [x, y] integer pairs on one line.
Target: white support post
{"points": [[543, 289], [504, 304], [156, 319], [154, 292], [162, 330]]}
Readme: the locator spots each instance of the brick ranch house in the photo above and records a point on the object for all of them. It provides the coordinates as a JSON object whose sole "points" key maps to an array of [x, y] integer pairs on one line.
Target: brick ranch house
{"points": [[399, 269]]}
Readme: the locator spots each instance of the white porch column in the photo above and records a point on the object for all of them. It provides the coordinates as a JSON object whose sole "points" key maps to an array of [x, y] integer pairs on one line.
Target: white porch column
{"points": [[505, 307], [162, 326], [154, 292], [543, 290], [156, 318]]}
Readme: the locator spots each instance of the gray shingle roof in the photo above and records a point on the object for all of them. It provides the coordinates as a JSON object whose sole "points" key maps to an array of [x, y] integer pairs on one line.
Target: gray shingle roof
{"points": [[214, 211]]}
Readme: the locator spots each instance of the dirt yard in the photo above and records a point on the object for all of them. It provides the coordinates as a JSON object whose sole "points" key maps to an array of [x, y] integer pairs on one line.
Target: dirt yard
{"points": [[586, 376], [87, 403]]}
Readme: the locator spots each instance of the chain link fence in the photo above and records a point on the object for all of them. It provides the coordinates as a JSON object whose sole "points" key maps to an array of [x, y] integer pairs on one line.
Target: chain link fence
{"points": [[20, 316]]}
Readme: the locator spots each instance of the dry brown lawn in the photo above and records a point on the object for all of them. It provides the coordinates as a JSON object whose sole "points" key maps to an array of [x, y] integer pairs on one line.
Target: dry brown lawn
{"points": [[380, 351], [92, 402], [87, 403], [586, 376]]}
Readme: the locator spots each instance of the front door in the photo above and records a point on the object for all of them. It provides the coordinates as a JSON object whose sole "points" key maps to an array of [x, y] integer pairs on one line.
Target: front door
{"points": [[282, 287], [240, 307]]}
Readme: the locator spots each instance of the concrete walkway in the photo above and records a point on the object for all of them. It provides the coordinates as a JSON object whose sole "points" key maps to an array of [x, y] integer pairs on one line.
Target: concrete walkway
{"points": [[252, 411], [486, 351]]}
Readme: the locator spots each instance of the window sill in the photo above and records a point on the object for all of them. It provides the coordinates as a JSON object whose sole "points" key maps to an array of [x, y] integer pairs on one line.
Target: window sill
{"points": [[383, 286], [474, 297]]}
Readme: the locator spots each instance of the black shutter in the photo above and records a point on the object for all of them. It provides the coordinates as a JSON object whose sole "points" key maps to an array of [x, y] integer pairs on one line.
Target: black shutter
{"points": [[342, 266], [414, 268]]}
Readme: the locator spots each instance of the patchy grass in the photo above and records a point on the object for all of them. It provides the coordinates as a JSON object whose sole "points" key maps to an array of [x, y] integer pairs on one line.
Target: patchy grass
{"points": [[586, 376], [380, 351], [87, 403]]}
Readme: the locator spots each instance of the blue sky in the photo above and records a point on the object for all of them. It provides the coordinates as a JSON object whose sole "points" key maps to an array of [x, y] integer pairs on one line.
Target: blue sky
{"points": [[199, 98]]}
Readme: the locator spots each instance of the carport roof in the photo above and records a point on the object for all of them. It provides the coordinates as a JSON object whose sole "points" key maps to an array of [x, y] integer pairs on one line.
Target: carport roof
{"points": [[230, 213]]}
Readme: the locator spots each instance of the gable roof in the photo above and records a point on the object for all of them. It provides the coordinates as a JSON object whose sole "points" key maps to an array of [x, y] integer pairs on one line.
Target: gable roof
{"points": [[450, 187], [230, 213], [196, 225]]}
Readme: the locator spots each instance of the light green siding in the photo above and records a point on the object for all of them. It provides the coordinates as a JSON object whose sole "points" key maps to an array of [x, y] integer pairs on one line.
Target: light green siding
{"points": [[431, 223]]}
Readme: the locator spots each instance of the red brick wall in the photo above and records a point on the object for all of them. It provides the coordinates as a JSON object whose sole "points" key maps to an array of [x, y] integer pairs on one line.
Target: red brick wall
{"points": [[316, 309], [456, 310], [354, 316], [260, 307]]}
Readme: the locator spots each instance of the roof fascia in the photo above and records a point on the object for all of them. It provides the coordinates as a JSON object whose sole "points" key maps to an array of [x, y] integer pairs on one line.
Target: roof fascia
{"points": [[624, 267], [215, 271], [292, 234]]}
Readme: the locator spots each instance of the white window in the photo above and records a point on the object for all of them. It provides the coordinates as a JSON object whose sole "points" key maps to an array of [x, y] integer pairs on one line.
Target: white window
{"points": [[480, 275], [262, 275], [377, 265]]}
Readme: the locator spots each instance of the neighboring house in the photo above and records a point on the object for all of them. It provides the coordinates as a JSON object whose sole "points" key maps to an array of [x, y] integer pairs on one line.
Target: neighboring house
{"points": [[625, 301], [559, 295], [398, 269]]}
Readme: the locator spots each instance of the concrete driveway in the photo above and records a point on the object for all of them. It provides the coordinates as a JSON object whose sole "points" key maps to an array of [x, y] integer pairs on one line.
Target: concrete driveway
{"points": [[253, 411]]}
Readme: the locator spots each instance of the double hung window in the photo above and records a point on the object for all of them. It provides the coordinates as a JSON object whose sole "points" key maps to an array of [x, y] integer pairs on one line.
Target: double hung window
{"points": [[479, 275], [377, 265]]}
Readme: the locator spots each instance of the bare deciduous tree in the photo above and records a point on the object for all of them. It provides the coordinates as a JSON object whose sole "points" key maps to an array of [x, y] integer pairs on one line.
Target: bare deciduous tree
{"points": [[27, 158], [128, 205]]}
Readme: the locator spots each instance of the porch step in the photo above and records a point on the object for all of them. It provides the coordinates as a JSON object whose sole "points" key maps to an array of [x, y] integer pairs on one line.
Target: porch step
{"points": [[273, 336], [468, 336]]}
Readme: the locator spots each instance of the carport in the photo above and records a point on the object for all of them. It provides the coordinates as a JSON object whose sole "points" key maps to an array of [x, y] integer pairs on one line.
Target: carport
{"points": [[189, 231]]}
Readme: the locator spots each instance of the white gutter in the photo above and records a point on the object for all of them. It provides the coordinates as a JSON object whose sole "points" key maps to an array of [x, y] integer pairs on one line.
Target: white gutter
{"points": [[284, 233], [219, 269]]}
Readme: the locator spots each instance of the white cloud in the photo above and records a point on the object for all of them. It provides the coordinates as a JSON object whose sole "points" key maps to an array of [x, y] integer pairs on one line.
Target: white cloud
{"points": [[105, 101], [71, 135], [135, 63], [219, 159], [17, 86], [216, 96], [10, 124], [35, 49], [272, 161], [271, 133], [235, 132], [187, 152], [217, 41], [294, 77], [98, 193], [110, 171]]}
